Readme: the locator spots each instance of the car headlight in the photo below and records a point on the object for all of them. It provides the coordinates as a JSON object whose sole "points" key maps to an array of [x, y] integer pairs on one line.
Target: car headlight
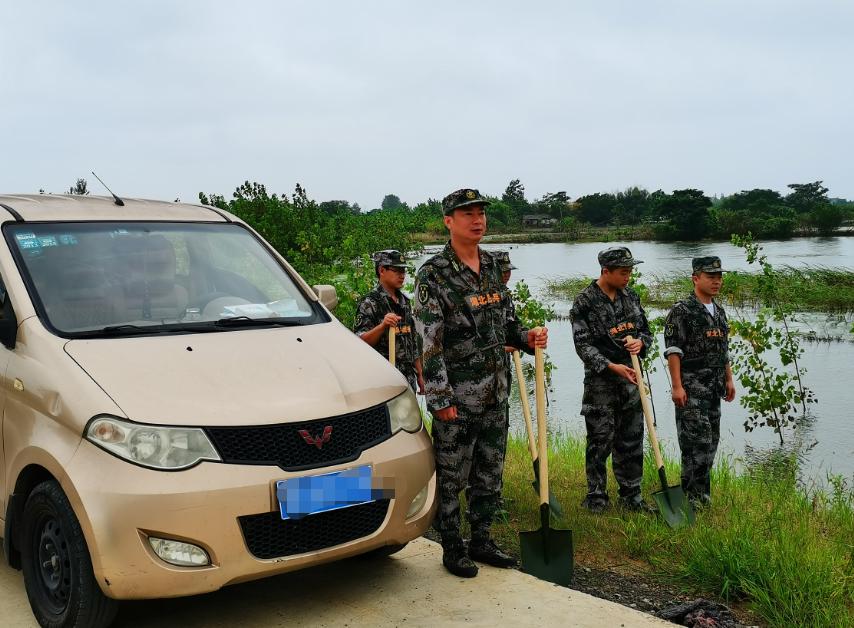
{"points": [[153, 446], [405, 413]]}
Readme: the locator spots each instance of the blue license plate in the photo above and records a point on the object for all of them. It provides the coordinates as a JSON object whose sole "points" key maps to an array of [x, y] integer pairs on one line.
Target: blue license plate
{"points": [[311, 494]]}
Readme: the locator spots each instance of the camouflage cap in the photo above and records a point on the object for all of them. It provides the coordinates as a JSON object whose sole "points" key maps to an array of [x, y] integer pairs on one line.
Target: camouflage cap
{"points": [[389, 257], [504, 263], [617, 257], [462, 198], [707, 264]]}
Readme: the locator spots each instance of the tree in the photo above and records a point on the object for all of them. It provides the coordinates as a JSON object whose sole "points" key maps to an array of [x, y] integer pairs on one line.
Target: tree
{"points": [[761, 212], [688, 214], [80, 188], [392, 201], [805, 197], [514, 198], [554, 204], [596, 209], [631, 206]]}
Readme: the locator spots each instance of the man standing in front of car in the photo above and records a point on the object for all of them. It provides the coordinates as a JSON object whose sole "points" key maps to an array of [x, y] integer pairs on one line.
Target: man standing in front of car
{"points": [[385, 308], [603, 316], [463, 315], [696, 339]]}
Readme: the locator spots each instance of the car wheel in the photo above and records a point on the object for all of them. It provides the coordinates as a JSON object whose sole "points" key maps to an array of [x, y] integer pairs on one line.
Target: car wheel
{"points": [[57, 568]]}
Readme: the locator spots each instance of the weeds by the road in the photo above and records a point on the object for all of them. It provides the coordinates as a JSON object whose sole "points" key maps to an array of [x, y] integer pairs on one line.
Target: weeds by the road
{"points": [[808, 289], [785, 551]]}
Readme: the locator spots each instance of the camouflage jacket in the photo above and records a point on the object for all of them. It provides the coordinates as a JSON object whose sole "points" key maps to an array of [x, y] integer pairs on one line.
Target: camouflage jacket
{"points": [[370, 312], [700, 340], [599, 325], [465, 320]]}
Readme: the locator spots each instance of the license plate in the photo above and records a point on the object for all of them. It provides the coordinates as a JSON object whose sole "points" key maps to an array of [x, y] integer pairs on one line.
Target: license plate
{"points": [[311, 494]]}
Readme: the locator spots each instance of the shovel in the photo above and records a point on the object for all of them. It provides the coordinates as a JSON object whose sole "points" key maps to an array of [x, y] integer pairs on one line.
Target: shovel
{"points": [[671, 500], [554, 504], [546, 553], [391, 349]]}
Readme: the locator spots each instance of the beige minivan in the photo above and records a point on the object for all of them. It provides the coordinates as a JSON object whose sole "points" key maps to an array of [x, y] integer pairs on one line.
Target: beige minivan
{"points": [[181, 412]]}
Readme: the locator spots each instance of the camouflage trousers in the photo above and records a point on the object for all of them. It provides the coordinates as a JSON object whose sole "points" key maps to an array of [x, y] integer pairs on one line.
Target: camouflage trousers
{"points": [[469, 451], [612, 413], [698, 426]]}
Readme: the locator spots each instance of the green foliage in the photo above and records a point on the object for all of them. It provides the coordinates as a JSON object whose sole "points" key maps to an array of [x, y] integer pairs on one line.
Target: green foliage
{"points": [[781, 550], [532, 313], [80, 188], [772, 396], [762, 212], [806, 288], [687, 213]]}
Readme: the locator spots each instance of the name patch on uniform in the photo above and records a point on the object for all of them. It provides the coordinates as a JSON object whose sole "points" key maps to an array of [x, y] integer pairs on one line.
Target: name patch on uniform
{"points": [[403, 329], [714, 333], [487, 298], [621, 328]]}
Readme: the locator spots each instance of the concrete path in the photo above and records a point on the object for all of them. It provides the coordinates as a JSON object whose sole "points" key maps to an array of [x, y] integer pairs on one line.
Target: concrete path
{"points": [[409, 589]]}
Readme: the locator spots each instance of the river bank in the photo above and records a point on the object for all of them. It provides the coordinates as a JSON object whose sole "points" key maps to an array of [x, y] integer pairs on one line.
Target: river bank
{"points": [[807, 288], [771, 548], [587, 233]]}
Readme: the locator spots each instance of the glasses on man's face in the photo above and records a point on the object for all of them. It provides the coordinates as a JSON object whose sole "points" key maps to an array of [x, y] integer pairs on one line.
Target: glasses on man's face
{"points": [[395, 269]]}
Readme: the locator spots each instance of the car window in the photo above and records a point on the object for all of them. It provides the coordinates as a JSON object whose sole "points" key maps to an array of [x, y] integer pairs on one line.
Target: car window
{"points": [[171, 276]]}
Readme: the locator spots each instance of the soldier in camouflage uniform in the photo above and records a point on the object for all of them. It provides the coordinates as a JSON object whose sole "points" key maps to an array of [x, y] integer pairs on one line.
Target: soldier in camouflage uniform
{"points": [[696, 338], [386, 307], [603, 315], [463, 316]]}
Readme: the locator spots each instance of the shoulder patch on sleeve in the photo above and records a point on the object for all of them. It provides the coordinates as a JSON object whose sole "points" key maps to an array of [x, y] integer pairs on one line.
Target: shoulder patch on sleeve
{"points": [[423, 293]]}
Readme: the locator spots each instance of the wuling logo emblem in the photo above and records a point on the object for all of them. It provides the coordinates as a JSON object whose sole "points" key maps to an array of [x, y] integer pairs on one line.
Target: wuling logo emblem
{"points": [[317, 442]]}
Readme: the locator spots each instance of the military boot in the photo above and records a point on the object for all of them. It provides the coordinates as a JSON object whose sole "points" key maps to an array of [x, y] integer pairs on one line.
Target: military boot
{"points": [[484, 550], [456, 560]]}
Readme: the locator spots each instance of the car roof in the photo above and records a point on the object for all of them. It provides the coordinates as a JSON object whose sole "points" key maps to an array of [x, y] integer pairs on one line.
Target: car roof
{"points": [[74, 207]]}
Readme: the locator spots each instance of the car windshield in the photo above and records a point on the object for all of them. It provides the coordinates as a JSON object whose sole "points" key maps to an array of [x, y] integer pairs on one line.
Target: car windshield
{"points": [[93, 279]]}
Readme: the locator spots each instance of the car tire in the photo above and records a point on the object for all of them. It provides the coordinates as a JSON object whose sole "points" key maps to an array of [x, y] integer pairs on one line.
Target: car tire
{"points": [[57, 568], [384, 551]]}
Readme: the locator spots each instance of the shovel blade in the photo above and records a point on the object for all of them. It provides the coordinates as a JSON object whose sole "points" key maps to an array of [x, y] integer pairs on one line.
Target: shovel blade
{"points": [[674, 507], [547, 554]]}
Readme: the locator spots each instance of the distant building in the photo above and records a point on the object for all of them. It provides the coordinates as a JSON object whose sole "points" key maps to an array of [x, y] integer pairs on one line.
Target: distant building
{"points": [[538, 220]]}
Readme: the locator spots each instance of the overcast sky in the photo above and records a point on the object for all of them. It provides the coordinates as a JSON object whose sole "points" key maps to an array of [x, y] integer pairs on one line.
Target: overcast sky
{"points": [[356, 100]]}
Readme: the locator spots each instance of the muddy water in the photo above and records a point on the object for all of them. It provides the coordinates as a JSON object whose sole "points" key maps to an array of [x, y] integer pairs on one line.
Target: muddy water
{"points": [[826, 440]]}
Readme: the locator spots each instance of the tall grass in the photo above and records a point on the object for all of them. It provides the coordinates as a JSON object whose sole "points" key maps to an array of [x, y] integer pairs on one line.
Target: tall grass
{"points": [[787, 552], [810, 288]]}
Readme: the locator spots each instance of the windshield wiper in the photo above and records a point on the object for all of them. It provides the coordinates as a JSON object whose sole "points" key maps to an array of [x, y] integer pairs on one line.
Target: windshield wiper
{"points": [[245, 321], [119, 330]]}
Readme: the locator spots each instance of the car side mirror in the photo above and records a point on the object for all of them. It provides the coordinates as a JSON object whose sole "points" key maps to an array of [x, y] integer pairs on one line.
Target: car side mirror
{"points": [[8, 323], [327, 295]]}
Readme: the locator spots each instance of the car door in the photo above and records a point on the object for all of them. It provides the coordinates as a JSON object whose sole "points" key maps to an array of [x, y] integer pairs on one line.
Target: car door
{"points": [[5, 354]]}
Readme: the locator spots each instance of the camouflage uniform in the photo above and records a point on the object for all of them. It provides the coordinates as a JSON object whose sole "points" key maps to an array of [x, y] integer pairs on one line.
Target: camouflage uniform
{"points": [[701, 340], [375, 305], [465, 320], [611, 404]]}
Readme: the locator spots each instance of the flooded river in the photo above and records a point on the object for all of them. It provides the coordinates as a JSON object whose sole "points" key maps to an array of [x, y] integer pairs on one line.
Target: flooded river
{"points": [[827, 439]]}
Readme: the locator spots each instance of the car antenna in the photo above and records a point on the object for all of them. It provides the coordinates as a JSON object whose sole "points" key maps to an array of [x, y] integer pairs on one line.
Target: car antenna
{"points": [[119, 201]]}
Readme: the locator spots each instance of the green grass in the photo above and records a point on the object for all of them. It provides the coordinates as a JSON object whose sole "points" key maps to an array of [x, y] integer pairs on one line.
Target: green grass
{"points": [[805, 289], [786, 553]]}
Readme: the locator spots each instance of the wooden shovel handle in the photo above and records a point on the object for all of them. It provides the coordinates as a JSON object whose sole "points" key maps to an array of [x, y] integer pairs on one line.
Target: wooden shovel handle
{"points": [[542, 435], [647, 410], [526, 409], [391, 348]]}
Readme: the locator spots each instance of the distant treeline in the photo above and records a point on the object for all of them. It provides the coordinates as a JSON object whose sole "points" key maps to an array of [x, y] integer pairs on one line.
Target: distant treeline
{"points": [[321, 239], [687, 214]]}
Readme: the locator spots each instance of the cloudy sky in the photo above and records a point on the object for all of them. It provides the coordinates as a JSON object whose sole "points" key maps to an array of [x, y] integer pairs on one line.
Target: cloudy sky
{"points": [[356, 100]]}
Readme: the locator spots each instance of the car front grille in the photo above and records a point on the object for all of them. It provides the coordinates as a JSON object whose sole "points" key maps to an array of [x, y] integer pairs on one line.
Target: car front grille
{"points": [[268, 536], [285, 444]]}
